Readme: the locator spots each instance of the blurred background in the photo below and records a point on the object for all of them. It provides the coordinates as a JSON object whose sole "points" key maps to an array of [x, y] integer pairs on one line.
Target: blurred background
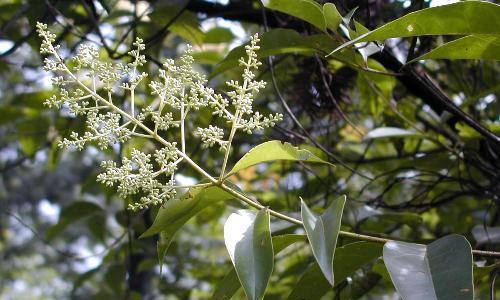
{"points": [[64, 236]]}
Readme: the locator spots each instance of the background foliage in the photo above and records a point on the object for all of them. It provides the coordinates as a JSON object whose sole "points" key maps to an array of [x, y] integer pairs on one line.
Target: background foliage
{"points": [[416, 146]]}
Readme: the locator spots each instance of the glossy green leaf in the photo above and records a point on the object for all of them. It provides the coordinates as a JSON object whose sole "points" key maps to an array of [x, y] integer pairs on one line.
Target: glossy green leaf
{"points": [[322, 233], [476, 46], [442, 270], [71, 214], [273, 151], [229, 285], [307, 10], [348, 259], [389, 132], [461, 18], [332, 16], [248, 240]]}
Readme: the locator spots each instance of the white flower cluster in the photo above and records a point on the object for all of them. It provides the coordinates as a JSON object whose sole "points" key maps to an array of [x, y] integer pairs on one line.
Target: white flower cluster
{"points": [[86, 88]]}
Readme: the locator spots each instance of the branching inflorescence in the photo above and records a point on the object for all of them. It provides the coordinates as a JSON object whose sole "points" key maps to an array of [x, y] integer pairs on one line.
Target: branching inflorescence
{"points": [[87, 86]]}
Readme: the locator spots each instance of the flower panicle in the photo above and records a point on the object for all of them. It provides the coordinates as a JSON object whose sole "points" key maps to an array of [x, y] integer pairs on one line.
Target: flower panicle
{"points": [[87, 85]]}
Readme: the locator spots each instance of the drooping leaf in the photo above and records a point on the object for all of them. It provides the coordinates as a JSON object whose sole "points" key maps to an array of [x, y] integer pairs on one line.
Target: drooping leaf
{"points": [[389, 132], [177, 212], [307, 10], [71, 214], [442, 270], [322, 233], [229, 285], [348, 259], [461, 18], [273, 151], [475, 46], [248, 240]]}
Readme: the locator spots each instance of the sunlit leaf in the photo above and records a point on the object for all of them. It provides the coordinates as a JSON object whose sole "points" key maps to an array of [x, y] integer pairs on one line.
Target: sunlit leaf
{"points": [[461, 18], [332, 16], [248, 240], [470, 47], [441, 271], [273, 151], [307, 10]]}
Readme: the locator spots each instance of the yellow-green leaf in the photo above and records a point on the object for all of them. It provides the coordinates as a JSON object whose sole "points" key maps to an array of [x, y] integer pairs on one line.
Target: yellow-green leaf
{"points": [[273, 151]]}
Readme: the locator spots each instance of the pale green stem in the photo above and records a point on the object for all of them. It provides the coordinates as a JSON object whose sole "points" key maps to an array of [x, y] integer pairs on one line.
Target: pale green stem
{"points": [[183, 137], [236, 120]]}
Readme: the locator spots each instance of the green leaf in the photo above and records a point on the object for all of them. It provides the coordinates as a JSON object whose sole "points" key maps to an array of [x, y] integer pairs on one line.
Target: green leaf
{"points": [[218, 35], [248, 241], [476, 46], [284, 41], [322, 233], [307, 10], [229, 285], [273, 151], [389, 132], [442, 270], [185, 25], [348, 259], [177, 212], [71, 214], [332, 16], [461, 18]]}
